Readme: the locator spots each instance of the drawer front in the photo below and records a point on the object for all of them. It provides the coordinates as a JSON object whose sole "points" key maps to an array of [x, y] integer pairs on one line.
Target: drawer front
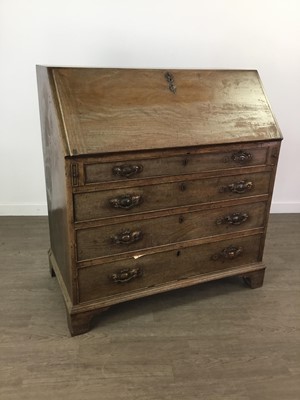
{"points": [[121, 238], [175, 165], [156, 269], [101, 204]]}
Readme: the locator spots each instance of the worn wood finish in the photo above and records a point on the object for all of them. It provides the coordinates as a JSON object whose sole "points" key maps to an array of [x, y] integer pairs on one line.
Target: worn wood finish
{"points": [[56, 168], [80, 323], [216, 340], [255, 279], [157, 196], [104, 241], [169, 247], [172, 211], [176, 165], [102, 107], [162, 268], [149, 177], [132, 183]]}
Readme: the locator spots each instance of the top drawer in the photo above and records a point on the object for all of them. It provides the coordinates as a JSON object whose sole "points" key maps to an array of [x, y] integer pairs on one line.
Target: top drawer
{"points": [[185, 163]]}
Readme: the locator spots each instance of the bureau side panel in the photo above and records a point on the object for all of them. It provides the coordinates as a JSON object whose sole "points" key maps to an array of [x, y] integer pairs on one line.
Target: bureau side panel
{"points": [[55, 150], [273, 157]]}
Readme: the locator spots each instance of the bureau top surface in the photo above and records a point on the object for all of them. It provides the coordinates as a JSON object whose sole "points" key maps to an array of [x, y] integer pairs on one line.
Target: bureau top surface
{"points": [[119, 110]]}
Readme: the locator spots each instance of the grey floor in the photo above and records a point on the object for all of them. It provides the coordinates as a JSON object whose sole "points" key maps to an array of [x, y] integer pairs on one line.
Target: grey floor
{"points": [[214, 341]]}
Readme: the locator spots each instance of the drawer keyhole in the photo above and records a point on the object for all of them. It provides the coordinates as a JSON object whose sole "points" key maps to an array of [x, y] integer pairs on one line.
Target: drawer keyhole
{"points": [[178, 253], [183, 187]]}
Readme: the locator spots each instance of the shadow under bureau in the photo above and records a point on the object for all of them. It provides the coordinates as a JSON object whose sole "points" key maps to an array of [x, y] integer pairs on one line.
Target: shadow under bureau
{"points": [[155, 180]]}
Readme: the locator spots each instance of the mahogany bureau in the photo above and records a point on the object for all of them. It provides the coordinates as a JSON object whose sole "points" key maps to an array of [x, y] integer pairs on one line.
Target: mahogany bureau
{"points": [[156, 180]]}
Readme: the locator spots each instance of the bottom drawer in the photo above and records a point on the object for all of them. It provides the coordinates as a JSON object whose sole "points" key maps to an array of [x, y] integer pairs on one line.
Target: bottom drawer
{"points": [[128, 275]]}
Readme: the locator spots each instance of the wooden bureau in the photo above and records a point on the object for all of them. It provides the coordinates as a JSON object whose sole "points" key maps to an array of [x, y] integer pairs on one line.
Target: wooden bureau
{"points": [[155, 180]]}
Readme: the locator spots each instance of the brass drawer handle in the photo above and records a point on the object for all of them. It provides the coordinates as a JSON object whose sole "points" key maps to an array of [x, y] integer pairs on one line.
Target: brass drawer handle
{"points": [[233, 219], [229, 253], [126, 275], [127, 170], [237, 187], [126, 201], [127, 237], [241, 157]]}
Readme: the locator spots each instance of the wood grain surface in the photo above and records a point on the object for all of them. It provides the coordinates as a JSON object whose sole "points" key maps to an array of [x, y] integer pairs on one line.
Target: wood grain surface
{"points": [[102, 241], [97, 205], [92, 117], [162, 268], [215, 341], [177, 165], [56, 169], [136, 109]]}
